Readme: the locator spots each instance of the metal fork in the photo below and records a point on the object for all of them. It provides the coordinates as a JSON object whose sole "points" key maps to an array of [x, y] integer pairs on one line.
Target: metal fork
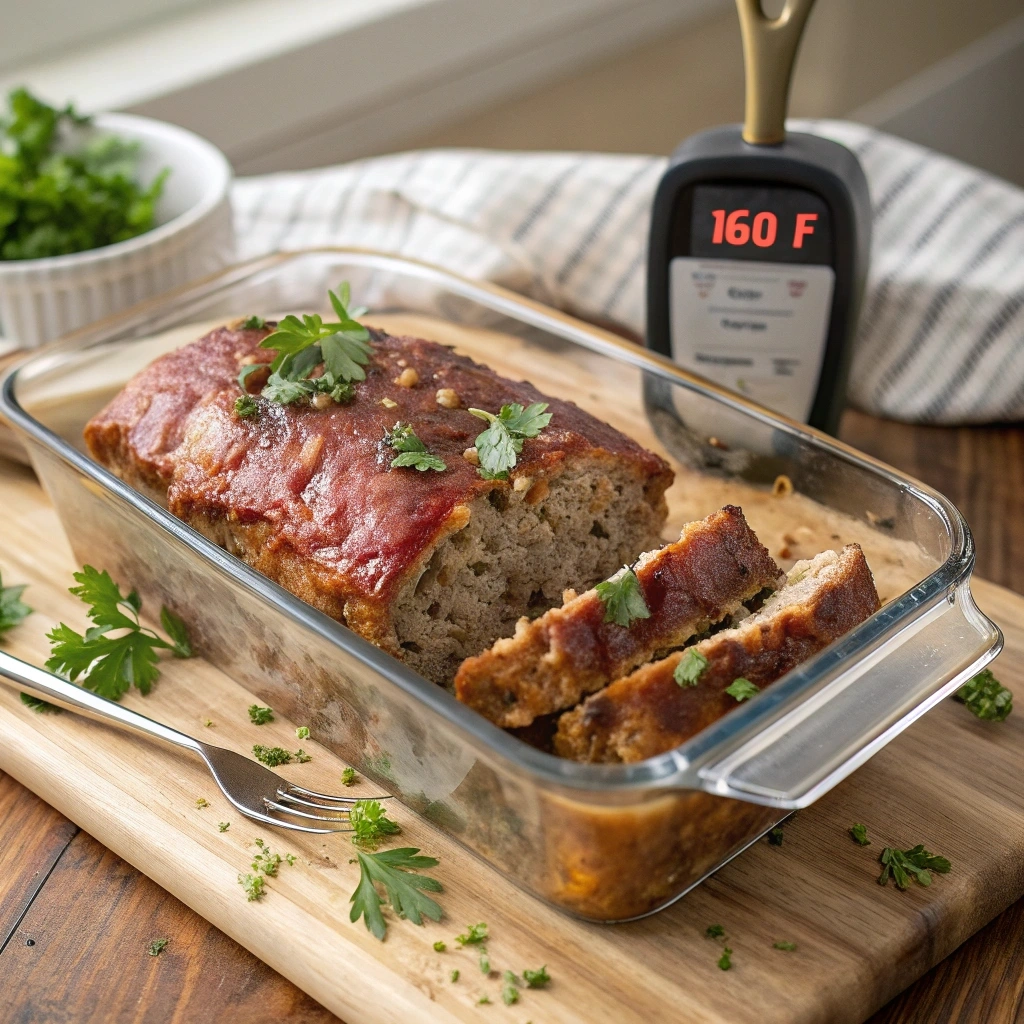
{"points": [[254, 790]]}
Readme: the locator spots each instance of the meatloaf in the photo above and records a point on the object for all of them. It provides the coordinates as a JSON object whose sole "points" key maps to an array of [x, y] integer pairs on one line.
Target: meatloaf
{"points": [[431, 566], [649, 712], [553, 661]]}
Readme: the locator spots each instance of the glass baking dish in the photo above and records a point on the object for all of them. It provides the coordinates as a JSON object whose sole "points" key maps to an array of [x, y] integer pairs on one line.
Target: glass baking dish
{"points": [[561, 829]]}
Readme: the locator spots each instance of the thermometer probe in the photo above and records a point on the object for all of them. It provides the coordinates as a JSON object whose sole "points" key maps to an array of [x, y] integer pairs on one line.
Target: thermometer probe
{"points": [[759, 244]]}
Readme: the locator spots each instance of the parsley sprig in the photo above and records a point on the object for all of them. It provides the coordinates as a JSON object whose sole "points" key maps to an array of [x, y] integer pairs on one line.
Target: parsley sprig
{"points": [[741, 689], [986, 698], [689, 667], [411, 450], [12, 609], [111, 664], [395, 871], [622, 597], [498, 447], [916, 863], [342, 347], [371, 823]]}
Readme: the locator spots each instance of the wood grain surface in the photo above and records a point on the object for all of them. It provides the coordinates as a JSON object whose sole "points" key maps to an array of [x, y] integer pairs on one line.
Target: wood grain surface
{"points": [[858, 944]]}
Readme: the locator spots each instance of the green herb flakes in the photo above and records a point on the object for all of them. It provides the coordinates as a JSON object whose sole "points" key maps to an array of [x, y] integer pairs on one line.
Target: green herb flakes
{"points": [[440, 946], [454, 976], [349, 776], [157, 946], [246, 407], [787, 947], [202, 802], [742, 689], [986, 698], [916, 863], [484, 962], [302, 732], [859, 834], [725, 960], [509, 988], [259, 715], [622, 597], [714, 931], [412, 452], [689, 667], [253, 323], [538, 978], [371, 823], [254, 887], [474, 935], [775, 836], [223, 826], [272, 757]]}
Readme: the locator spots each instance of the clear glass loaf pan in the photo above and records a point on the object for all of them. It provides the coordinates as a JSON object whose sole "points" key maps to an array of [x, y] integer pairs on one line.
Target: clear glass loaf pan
{"points": [[562, 830]]}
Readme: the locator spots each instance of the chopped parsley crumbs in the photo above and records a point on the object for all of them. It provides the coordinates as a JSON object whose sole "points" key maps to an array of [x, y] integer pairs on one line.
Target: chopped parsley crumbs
{"points": [[290, 858], [986, 698], [223, 826], [509, 988], [440, 946], [484, 962], [157, 946], [714, 931], [371, 823], [253, 323], [38, 705], [208, 722], [775, 836], [787, 947], [725, 960], [268, 863], [254, 887], [302, 732], [916, 863], [412, 452], [742, 689], [484, 1000], [271, 756], [622, 598], [341, 348], [12, 609], [110, 666], [689, 668], [202, 802], [349, 776], [246, 407], [259, 715], [301, 756], [859, 834], [498, 447], [395, 870], [454, 976], [474, 936], [538, 978]]}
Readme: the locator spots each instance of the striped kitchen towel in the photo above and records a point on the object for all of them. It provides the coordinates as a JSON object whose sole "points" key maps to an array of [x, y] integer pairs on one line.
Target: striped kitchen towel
{"points": [[941, 336]]}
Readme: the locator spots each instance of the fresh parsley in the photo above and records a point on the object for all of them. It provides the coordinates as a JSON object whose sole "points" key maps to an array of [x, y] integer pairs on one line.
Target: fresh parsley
{"points": [[254, 886], [40, 706], [474, 935], [859, 834], [157, 946], [775, 836], [349, 776], [986, 698], [302, 732], [272, 757], [260, 715], [63, 190], [370, 823], [484, 962], [741, 689], [342, 348], [301, 756], [12, 609], [394, 870], [454, 975], [411, 450], [484, 1000], [246, 407], [787, 947], [223, 826], [253, 323], [498, 447], [916, 863], [622, 598], [264, 861], [714, 931], [689, 667], [201, 802], [509, 988], [111, 665], [440, 946], [538, 978], [725, 960]]}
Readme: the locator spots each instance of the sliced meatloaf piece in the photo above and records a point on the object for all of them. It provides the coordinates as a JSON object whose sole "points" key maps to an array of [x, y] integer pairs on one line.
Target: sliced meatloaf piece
{"points": [[649, 712], [431, 566], [553, 661]]}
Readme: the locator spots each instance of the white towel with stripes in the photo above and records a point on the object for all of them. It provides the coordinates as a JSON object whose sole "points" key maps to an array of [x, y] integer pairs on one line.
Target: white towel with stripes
{"points": [[941, 335]]}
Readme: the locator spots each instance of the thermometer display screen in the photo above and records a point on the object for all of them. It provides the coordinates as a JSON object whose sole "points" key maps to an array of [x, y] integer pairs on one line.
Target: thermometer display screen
{"points": [[750, 222]]}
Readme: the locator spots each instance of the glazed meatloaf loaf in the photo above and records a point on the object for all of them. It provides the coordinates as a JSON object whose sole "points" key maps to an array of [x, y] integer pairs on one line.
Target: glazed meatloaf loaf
{"points": [[651, 710], [431, 566], [553, 661]]}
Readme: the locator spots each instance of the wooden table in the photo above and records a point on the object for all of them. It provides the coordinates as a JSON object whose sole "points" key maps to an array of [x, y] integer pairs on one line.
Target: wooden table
{"points": [[75, 919]]}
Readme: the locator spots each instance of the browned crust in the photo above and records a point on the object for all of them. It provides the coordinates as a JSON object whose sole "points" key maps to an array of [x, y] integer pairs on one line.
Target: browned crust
{"points": [[647, 713], [550, 663]]}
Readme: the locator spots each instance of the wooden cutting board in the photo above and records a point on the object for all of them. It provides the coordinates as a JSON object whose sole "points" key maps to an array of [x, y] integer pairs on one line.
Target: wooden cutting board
{"points": [[950, 781]]}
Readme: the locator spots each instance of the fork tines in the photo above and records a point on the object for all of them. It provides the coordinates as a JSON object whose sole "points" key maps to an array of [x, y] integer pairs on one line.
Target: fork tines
{"points": [[292, 803]]}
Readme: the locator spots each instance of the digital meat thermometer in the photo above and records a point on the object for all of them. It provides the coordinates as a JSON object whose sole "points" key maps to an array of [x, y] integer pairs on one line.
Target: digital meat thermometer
{"points": [[759, 244]]}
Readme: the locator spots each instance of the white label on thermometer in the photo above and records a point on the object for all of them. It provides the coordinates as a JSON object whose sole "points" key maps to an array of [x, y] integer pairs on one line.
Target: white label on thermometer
{"points": [[756, 328]]}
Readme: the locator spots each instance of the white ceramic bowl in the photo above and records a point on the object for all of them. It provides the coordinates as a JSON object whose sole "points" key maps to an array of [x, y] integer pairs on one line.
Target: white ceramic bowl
{"points": [[45, 298]]}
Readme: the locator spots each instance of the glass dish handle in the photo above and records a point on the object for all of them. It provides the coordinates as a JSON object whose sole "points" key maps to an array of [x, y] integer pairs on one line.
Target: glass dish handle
{"points": [[813, 746]]}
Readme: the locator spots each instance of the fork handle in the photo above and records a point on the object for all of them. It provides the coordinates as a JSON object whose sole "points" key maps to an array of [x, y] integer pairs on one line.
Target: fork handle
{"points": [[20, 675]]}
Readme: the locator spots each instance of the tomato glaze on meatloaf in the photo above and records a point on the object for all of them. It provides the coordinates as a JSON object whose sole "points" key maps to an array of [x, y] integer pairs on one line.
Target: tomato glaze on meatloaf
{"points": [[431, 566]]}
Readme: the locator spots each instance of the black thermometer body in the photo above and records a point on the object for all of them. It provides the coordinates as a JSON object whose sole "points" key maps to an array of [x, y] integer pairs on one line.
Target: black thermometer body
{"points": [[756, 264]]}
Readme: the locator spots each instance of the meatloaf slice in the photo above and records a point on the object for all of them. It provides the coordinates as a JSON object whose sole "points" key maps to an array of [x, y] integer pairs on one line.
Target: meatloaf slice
{"points": [[648, 712], [551, 662], [431, 566]]}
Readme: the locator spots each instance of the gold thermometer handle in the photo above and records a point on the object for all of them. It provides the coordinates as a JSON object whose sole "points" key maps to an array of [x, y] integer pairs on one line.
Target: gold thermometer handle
{"points": [[769, 52]]}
